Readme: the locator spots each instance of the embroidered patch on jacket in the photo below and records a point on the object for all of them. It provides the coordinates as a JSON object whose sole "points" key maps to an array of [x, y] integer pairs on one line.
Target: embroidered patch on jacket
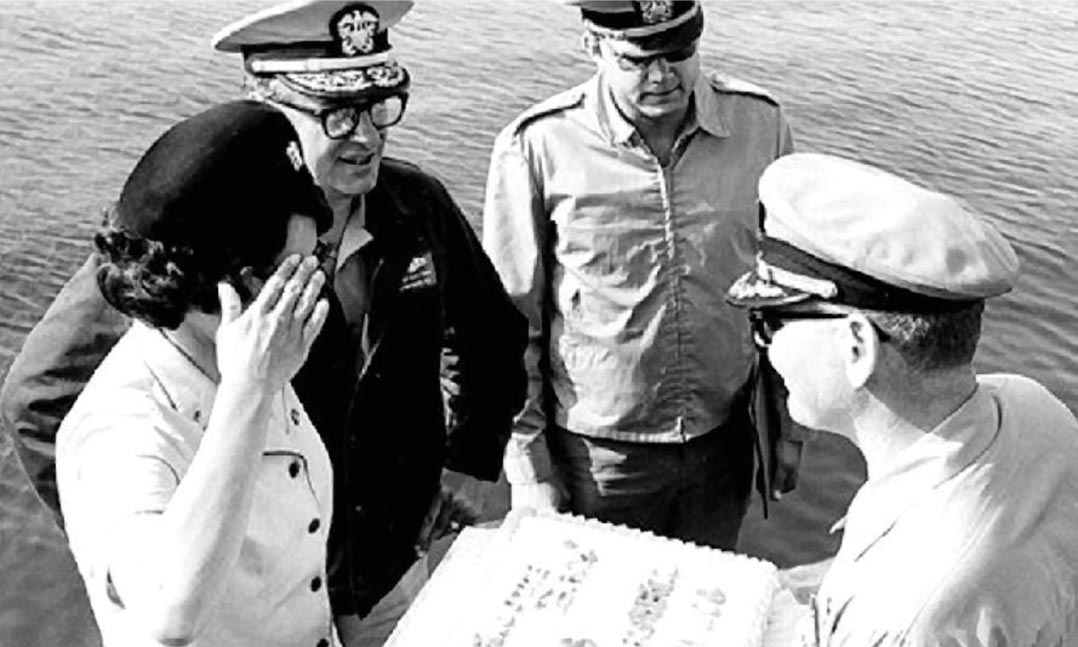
{"points": [[420, 273]]}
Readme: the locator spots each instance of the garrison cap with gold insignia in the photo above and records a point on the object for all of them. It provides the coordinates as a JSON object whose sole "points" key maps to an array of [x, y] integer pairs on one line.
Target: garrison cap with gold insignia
{"points": [[651, 26], [322, 48], [844, 232]]}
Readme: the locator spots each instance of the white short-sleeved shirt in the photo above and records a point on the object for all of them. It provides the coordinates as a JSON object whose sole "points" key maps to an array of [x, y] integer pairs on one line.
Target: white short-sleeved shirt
{"points": [[122, 451], [970, 539]]}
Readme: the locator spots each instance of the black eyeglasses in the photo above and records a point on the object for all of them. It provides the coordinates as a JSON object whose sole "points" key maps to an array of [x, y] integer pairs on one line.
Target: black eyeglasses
{"points": [[339, 122], [641, 63], [765, 323]]}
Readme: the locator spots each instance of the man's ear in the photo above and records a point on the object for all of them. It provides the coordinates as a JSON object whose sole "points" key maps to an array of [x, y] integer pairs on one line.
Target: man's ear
{"points": [[860, 348]]}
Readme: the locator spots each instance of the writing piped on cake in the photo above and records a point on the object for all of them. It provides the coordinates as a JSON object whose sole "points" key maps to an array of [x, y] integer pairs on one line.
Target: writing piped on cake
{"points": [[559, 580]]}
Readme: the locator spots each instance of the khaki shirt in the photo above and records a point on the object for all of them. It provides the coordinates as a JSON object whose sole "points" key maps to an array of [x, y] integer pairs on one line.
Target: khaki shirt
{"points": [[621, 264], [126, 445], [971, 538]]}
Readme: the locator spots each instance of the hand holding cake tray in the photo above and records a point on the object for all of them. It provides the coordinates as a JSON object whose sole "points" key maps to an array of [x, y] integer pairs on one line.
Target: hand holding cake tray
{"points": [[564, 581]]}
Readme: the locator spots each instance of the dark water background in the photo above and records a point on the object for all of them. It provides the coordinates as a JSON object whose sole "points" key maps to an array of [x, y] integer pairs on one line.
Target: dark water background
{"points": [[978, 98]]}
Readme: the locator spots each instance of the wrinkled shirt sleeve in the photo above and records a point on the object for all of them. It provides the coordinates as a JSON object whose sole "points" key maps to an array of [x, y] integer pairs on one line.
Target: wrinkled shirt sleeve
{"points": [[57, 359], [112, 471], [514, 236]]}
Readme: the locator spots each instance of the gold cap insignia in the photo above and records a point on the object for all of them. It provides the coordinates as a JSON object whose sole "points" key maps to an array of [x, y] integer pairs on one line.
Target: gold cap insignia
{"points": [[656, 12], [354, 30]]}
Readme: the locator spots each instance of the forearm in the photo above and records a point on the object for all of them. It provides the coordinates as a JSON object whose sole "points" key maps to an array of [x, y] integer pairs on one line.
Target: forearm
{"points": [[175, 575]]}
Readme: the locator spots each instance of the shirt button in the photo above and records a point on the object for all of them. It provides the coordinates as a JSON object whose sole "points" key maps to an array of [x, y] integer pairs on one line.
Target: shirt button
{"points": [[322, 643], [314, 526], [295, 416], [316, 584], [293, 469]]}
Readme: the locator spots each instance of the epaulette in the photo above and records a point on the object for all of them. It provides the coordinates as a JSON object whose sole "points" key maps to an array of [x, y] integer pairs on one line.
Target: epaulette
{"points": [[557, 103], [730, 85]]}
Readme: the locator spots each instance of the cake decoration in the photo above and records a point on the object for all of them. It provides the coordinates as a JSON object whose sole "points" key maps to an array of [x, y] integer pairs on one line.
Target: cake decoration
{"points": [[552, 580]]}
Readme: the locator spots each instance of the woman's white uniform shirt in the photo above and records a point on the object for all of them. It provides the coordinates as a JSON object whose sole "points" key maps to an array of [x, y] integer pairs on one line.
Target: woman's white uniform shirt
{"points": [[121, 453]]}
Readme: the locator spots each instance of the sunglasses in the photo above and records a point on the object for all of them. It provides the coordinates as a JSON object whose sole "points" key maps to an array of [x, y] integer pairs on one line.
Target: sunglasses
{"points": [[631, 63], [339, 122], [765, 323]]}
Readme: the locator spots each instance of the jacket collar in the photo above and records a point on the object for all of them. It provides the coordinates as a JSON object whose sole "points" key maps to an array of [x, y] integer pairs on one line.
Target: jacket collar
{"points": [[390, 220], [708, 111], [705, 114], [934, 459], [389, 214], [188, 390], [355, 235]]}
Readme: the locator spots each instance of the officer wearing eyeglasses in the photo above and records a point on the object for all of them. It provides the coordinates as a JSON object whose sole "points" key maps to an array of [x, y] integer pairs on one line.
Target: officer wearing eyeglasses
{"points": [[616, 214], [868, 297], [420, 298], [419, 367]]}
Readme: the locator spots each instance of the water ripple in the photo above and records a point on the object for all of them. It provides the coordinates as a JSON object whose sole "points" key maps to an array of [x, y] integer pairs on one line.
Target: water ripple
{"points": [[974, 98]]}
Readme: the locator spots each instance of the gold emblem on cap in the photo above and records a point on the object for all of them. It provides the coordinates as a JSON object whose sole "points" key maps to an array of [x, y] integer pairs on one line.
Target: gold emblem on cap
{"points": [[657, 12], [354, 30]]}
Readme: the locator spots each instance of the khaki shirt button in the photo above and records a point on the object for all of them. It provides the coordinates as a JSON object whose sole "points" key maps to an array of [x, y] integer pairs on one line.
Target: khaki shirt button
{"points": [[322, 643], [316, 584], [295, 416], [293, 469], [314, 526]]}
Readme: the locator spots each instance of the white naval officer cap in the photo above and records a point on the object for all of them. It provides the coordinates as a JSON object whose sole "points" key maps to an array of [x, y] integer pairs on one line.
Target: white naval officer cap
{"points": [[844, 232], [335, 49]]}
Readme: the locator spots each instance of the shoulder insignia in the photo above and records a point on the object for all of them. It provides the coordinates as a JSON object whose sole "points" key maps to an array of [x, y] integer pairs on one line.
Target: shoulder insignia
{"points": [[557, 103], [729, 85]]}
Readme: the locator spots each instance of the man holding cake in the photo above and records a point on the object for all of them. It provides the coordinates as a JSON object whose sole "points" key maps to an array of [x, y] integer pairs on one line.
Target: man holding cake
{"points": [[868, 296], [617, 213]]}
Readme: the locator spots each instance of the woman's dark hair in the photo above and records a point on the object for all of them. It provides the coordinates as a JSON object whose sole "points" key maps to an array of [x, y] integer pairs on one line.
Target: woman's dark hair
{"points": [[159, 283]]}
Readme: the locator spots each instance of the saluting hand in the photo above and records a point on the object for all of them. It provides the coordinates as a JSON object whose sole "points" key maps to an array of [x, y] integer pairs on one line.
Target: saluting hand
{"points": [[268, 342]]}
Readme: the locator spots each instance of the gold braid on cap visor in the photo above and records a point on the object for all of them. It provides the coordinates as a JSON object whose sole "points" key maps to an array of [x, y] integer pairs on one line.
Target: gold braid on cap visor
{"points": [[347, 82], [789, 266]]}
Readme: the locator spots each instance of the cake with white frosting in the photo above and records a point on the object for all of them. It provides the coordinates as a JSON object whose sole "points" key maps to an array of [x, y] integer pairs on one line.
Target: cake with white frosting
{"points": [[547, 580]]}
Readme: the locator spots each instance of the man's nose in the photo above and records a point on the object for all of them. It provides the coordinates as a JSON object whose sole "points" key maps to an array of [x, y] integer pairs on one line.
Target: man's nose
{"points": [[366, 133], [659, 69]]}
